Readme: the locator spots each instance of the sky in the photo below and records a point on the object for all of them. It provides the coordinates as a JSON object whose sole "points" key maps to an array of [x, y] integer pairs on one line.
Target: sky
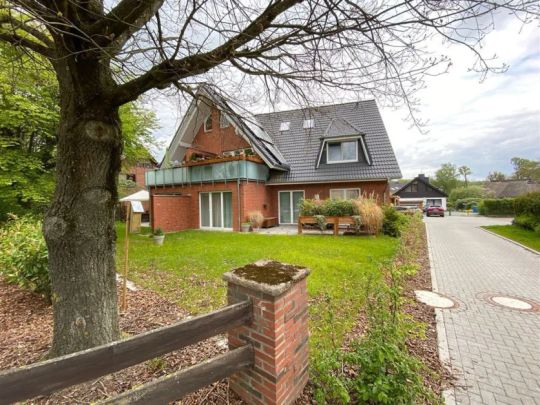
{"points": [[468, 121]]}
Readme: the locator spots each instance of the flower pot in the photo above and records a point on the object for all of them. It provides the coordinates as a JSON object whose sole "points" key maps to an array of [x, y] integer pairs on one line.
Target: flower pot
{"points": [[245, 227], [158, 239]]}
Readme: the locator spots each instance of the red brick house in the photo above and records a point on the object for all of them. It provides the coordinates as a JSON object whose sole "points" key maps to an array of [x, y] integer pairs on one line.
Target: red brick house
{"points": [[221, 164]]}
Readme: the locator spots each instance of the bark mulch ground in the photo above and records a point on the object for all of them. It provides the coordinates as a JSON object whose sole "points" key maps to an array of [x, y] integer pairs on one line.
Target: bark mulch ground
{"points": [[425, 349], [27, 330], [26, 337]]}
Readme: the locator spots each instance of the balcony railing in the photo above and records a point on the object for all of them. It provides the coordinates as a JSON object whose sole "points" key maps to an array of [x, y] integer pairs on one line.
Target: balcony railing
{"points": [[231, 170]]}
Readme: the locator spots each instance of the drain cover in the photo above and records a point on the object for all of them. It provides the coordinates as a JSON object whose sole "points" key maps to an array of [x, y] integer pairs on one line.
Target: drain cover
{"points": [[507, 301], [510, 302], [434, 299]]}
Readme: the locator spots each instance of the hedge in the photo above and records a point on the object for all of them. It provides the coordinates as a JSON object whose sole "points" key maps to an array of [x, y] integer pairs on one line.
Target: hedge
{"points": [[497, 206], [527, 209]]}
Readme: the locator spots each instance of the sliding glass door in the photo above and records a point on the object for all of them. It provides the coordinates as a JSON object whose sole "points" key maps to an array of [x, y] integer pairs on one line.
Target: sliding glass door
{"points": [[216, 210], [289, 206]]}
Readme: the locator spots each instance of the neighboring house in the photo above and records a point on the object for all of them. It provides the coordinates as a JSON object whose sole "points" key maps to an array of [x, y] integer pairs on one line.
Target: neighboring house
{"points": [[136, 181], [421, 193], [136, 172], [223, 164], [510, 188]]}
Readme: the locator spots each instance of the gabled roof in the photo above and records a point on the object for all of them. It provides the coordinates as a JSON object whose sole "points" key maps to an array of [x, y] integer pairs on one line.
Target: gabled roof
{"points": [[301, 147], [421, 180], [245, 124], [511, 188]]}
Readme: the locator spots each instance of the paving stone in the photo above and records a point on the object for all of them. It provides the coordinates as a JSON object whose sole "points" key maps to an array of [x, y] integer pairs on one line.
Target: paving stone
{"points": [[495, 350]]}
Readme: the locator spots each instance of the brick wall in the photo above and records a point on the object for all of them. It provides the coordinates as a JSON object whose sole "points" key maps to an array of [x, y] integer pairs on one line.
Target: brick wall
{"points": [[172, 215], [179, 216], [279, 335], [217, 140]]}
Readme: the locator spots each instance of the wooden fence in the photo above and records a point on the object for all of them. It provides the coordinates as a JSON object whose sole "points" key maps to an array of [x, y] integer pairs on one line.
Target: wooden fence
{"points": [[52, 375]]}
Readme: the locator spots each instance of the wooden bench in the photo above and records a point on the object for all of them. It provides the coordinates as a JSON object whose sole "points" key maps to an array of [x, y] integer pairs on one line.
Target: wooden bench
{"points": [[270, 222]]}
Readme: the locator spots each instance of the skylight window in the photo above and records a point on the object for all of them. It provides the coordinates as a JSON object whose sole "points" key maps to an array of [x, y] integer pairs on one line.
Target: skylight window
{"points": [[309, 123], [284, 126]]}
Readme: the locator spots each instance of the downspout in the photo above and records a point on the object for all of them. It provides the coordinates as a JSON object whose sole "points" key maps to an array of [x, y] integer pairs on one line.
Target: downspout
{"points": [[239, 209]]}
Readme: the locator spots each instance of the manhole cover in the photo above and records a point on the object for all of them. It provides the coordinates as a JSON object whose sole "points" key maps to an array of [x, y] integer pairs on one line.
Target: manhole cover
{"points": [[434, 299], [511, 303]]}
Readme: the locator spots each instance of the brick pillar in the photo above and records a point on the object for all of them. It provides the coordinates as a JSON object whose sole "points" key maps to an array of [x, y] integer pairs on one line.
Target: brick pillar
{"points": [[278, 332]]}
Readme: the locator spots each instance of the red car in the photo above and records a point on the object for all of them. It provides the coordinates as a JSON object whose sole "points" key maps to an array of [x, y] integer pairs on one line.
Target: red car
{"points": [[435, 211]]}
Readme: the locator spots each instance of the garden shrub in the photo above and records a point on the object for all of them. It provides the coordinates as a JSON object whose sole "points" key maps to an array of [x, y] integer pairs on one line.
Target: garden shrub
{"points": [[371, 213], [256, 218], [379, 368], [328, 208], [497, 206], [393, 221], [527, 209], [467, 203], [23, 255], [321, 222], [466, 193]]}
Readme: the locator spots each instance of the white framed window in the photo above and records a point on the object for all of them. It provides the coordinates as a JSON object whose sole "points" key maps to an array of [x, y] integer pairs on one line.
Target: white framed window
{"points": [[215, 210], [309, 124], [342, 152], [208, 123], [223, 121], [284, 126], [289, 206], [344, 193]]}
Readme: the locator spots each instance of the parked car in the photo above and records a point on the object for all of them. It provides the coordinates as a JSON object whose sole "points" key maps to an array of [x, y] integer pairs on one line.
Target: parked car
{"points": [[435, 211]]}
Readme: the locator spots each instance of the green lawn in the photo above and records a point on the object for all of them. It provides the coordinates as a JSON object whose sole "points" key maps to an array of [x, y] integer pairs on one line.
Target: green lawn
{"points": [[187, 270], [524, 236]]}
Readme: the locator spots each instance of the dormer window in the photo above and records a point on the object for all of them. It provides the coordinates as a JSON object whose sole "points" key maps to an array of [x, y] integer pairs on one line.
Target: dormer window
{"points": [[342, 152], [208, 123], [284, 126], [309, 123]]}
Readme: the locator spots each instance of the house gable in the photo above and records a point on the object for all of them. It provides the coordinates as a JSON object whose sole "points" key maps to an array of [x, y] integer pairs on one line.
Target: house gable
{"points": [[218, 140], [419, 187], [209, 103]]}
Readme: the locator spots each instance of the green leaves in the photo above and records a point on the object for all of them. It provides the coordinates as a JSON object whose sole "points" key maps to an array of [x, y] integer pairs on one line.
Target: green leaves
{"points": [[23, 255]]}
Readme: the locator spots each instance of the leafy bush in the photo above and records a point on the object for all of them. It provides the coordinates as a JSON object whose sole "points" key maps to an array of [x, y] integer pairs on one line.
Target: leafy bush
{"points": [[497, 206], [379, 369], [328, 208], [321, 222], [467, 203], [23, 255], [527, 221], [472, 191], [339, 208], [393, 221], [527, 209], [371, 213]]}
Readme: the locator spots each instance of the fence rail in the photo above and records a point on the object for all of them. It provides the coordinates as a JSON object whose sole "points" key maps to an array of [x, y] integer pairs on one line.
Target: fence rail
{"points": [[52, 375]]}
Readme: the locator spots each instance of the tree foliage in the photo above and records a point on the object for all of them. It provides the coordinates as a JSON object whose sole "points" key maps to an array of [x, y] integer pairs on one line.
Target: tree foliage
{"points": [[446, 178], [472, 191], [465, 171], [496, 176], [29, 119], [525, 169]]}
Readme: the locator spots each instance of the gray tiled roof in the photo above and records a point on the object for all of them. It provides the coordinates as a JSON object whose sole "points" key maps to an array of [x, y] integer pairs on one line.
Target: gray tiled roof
{"points": [[301, 147]]}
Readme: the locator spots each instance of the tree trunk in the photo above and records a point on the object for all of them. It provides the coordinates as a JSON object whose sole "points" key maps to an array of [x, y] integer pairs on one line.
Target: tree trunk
{"points": [[79, 227]]}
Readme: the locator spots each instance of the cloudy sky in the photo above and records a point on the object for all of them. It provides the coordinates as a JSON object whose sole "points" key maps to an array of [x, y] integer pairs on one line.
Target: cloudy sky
{"points": [[481, 124]]}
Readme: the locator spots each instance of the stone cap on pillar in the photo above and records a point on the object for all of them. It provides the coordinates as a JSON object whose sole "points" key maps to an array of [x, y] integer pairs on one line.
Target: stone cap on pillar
{"points": [[268, 276]]}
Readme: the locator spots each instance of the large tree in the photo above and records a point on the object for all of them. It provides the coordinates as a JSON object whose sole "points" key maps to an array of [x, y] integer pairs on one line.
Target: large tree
{"points": [[446, 177], [465, 171], [526, 169], [106, 54]]}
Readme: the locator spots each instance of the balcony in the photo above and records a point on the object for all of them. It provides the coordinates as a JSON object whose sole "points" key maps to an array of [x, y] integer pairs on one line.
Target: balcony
{"points": [[226, 170]]}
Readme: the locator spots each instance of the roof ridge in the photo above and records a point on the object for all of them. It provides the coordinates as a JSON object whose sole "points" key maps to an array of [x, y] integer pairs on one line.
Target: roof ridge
{"points": [[316, 107]]}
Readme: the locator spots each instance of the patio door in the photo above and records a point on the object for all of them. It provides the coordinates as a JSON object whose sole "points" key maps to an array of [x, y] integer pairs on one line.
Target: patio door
{"points": [[289, 206], [215, 210]]}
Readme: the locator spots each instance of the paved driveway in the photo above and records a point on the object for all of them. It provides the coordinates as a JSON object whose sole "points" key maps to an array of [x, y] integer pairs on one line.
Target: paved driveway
{"points": [[495, 350]]}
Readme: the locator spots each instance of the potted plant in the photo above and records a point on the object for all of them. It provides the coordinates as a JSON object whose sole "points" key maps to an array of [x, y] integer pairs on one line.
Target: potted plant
{"points": [[158, 236], [245, 226], [256, 218]]}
